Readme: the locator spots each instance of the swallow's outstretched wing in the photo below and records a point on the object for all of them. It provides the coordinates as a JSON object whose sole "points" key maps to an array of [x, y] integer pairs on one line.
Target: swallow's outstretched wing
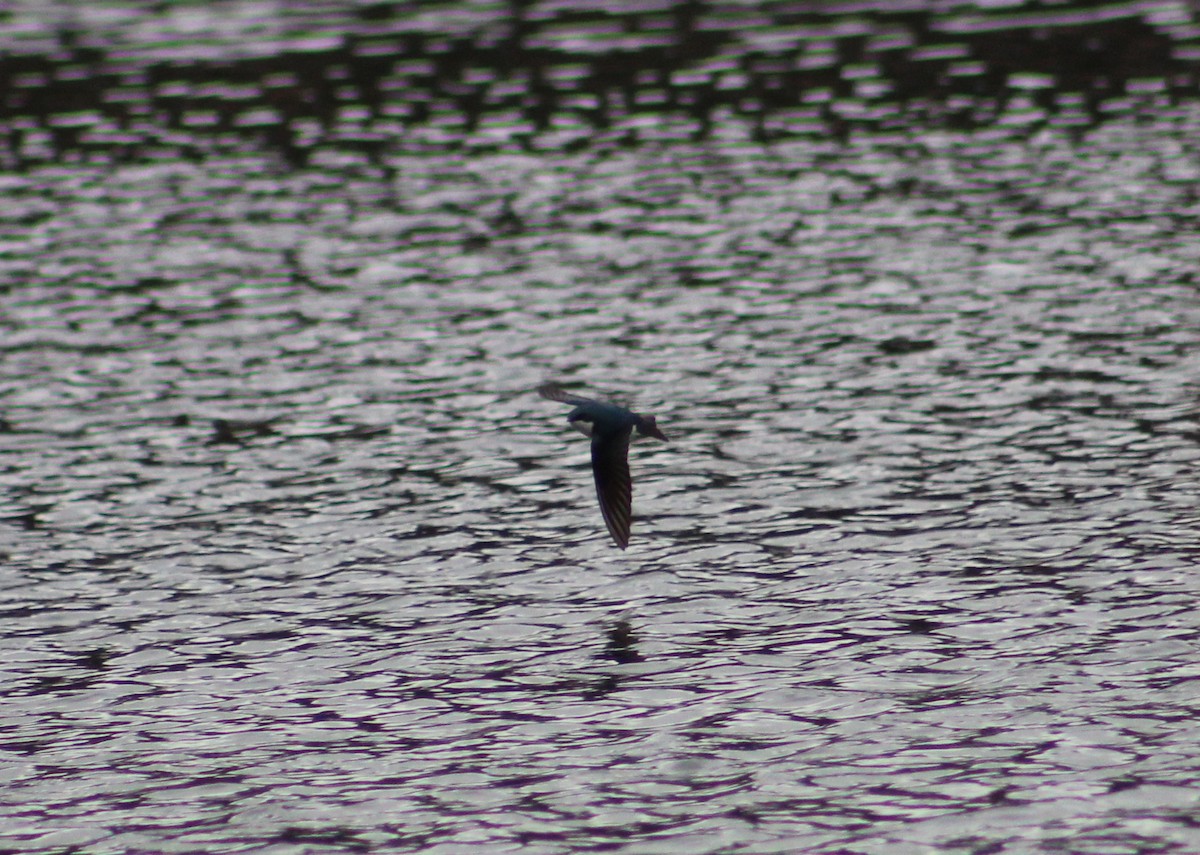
{"points": [[614, 488], [554, 392]]}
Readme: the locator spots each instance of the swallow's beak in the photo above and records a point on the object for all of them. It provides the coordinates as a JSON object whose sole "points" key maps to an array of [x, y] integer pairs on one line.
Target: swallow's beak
{"points": [[649, 427]]}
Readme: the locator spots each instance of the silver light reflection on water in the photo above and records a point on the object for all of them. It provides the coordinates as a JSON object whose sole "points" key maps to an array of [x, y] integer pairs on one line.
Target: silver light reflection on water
{"points": [[292, 561]]}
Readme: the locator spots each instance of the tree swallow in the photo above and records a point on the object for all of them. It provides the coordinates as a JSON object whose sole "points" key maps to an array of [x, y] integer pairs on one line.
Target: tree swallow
{"points": [[611, 428]]}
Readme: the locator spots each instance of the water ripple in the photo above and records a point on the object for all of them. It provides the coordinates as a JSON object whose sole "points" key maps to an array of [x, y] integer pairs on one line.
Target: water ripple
{"points": [[294, 558]]}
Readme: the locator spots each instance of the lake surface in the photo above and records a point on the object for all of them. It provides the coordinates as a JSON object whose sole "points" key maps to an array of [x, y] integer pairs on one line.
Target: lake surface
{"points": [[294, 559]]}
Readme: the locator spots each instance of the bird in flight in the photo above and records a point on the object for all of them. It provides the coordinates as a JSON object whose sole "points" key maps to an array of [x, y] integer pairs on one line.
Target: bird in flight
{"points": [[611, 428]]}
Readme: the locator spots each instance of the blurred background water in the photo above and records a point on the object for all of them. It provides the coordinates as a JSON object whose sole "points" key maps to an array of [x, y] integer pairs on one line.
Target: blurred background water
{"points": [[292, 559]]}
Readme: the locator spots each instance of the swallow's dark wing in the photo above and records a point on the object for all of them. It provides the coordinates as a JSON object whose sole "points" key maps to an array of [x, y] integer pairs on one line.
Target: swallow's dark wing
{"points": [[614, 489], [554, 392]]}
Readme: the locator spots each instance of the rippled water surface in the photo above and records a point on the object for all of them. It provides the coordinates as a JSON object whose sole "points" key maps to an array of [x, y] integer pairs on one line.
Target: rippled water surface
{"points": [[295, 560]]}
